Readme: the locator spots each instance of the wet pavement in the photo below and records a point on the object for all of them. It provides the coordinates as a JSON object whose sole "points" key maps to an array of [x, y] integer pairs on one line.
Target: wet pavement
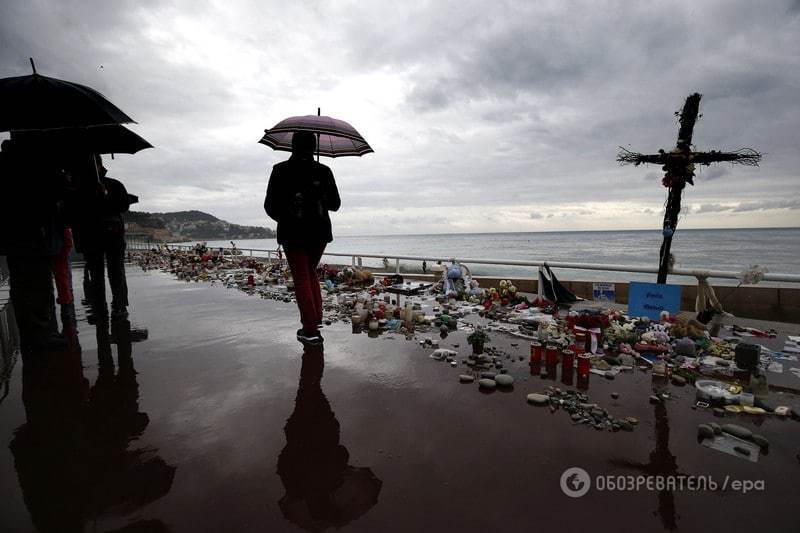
{"points": [[204, 413]]}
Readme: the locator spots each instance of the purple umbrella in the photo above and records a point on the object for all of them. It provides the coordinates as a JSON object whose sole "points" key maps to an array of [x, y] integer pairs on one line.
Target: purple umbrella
{"points": [[336, 137]]}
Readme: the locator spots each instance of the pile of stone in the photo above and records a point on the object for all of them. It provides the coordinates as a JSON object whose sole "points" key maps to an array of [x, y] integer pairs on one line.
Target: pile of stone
{"points": [[582, 412]]}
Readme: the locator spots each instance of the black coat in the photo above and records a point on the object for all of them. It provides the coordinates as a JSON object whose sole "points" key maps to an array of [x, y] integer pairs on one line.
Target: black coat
{"points": [[30, 207], [98, 224], [300, 194]]}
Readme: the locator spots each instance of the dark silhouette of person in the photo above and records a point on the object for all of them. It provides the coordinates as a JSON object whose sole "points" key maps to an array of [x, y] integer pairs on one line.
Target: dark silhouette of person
{"points": [[99, 232], [300, 194], [322, 490], [31, 233], [72, 455]]}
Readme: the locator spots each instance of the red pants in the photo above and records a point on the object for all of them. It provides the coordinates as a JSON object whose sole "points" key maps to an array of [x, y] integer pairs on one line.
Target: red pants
{"points": [[303, 262], [62, 271]]}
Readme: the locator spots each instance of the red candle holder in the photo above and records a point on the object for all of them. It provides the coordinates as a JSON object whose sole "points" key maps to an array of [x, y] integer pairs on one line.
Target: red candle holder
{"points": [[551, 355], [551, 371], [583, 364], [536, 352], [536, 368], [567, 375], [567, 359], [582, 382]]}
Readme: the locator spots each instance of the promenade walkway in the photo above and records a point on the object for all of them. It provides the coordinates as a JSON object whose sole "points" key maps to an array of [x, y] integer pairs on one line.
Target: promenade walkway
{"points": [[190, 434]]}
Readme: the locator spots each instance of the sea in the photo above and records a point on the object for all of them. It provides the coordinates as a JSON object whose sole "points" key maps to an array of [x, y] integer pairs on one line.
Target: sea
{"points": [[776, 249]]}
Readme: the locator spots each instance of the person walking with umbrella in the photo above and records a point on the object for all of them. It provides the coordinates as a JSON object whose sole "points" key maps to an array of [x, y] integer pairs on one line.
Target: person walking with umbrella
{"points": [[300, 194]]}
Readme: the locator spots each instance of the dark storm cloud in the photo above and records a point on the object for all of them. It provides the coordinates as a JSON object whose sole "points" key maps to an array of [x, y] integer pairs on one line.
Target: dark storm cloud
{"points": [[469, 103], [713, 173]]}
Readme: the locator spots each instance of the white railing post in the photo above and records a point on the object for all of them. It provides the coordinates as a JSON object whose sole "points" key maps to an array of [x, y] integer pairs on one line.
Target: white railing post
{"points": [[397, 266]]}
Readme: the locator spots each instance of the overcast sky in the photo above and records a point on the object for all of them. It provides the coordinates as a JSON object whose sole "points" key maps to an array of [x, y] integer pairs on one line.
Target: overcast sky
{"points": [[484, 116]]}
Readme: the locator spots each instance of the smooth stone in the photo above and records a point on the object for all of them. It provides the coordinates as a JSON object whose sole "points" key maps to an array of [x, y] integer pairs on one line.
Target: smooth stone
{"points": [[720, 412], [615, 395], [504, 380], [655, 399], [737, 431], [760, 440], [576, 416], [488, 375], [486, 383], [679, 381], [716, 427], [465, 378], [632, 420], [742, 450], [610, 375], [625, 425], [538, 399], [704, 431], [454, 363]]}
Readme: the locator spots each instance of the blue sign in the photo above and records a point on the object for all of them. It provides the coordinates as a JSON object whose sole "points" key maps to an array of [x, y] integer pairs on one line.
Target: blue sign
{"points": [[649, 299], [604, 292]]}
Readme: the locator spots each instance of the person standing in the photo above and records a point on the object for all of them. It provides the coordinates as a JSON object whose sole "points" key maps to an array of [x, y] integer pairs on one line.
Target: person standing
{"points": [[30, 235], [100, 236], [300, 194]]}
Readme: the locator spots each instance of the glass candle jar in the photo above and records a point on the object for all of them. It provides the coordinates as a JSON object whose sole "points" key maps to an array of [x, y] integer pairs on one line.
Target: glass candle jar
{"points": [[536, 352], [583, 365], [551, 355]]}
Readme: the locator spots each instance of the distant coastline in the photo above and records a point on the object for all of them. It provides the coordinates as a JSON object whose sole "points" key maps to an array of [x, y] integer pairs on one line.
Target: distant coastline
{"points": [[189, 225]]}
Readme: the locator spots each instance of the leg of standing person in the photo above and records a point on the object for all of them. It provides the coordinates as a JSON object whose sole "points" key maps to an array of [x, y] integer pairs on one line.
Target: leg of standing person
{"points": [[298, 263], [31, 288], [115, 259], [314, 255], [61, 270], [97, 281]]}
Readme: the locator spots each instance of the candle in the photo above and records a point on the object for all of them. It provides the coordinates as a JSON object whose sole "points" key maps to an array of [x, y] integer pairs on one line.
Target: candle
{"points": [[567, 359], [536, 352], [551, 355], [583, 365]]}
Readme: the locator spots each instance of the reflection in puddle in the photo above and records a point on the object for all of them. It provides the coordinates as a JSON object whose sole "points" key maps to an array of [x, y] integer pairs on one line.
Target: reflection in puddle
{"points": [[72, 454], [322, 489]]}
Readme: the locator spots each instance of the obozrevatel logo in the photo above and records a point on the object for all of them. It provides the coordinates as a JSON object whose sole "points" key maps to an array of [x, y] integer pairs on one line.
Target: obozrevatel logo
{"points": [[575, 482]]}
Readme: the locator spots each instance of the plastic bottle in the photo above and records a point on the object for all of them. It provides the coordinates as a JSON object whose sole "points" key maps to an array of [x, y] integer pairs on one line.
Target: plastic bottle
{"points": [[409, 316]]}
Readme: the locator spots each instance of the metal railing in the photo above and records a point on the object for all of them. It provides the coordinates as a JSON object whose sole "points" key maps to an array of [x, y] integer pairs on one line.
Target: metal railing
{"points": [[356, 261]]}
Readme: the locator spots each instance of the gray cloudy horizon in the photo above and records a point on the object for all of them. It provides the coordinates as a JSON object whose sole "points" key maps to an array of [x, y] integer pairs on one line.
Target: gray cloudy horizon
{"points": [[484, 116]]}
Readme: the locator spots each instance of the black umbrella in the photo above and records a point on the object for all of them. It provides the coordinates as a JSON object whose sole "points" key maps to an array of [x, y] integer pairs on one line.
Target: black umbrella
{"points": [[110, 139], [37, 102]]}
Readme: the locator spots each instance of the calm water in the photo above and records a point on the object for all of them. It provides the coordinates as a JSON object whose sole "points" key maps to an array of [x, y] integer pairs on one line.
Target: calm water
{"points": [[777, 249]]}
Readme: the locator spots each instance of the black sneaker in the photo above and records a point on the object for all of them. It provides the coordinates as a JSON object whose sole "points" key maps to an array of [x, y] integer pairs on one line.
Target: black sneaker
{"points": [[310, 337]]}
